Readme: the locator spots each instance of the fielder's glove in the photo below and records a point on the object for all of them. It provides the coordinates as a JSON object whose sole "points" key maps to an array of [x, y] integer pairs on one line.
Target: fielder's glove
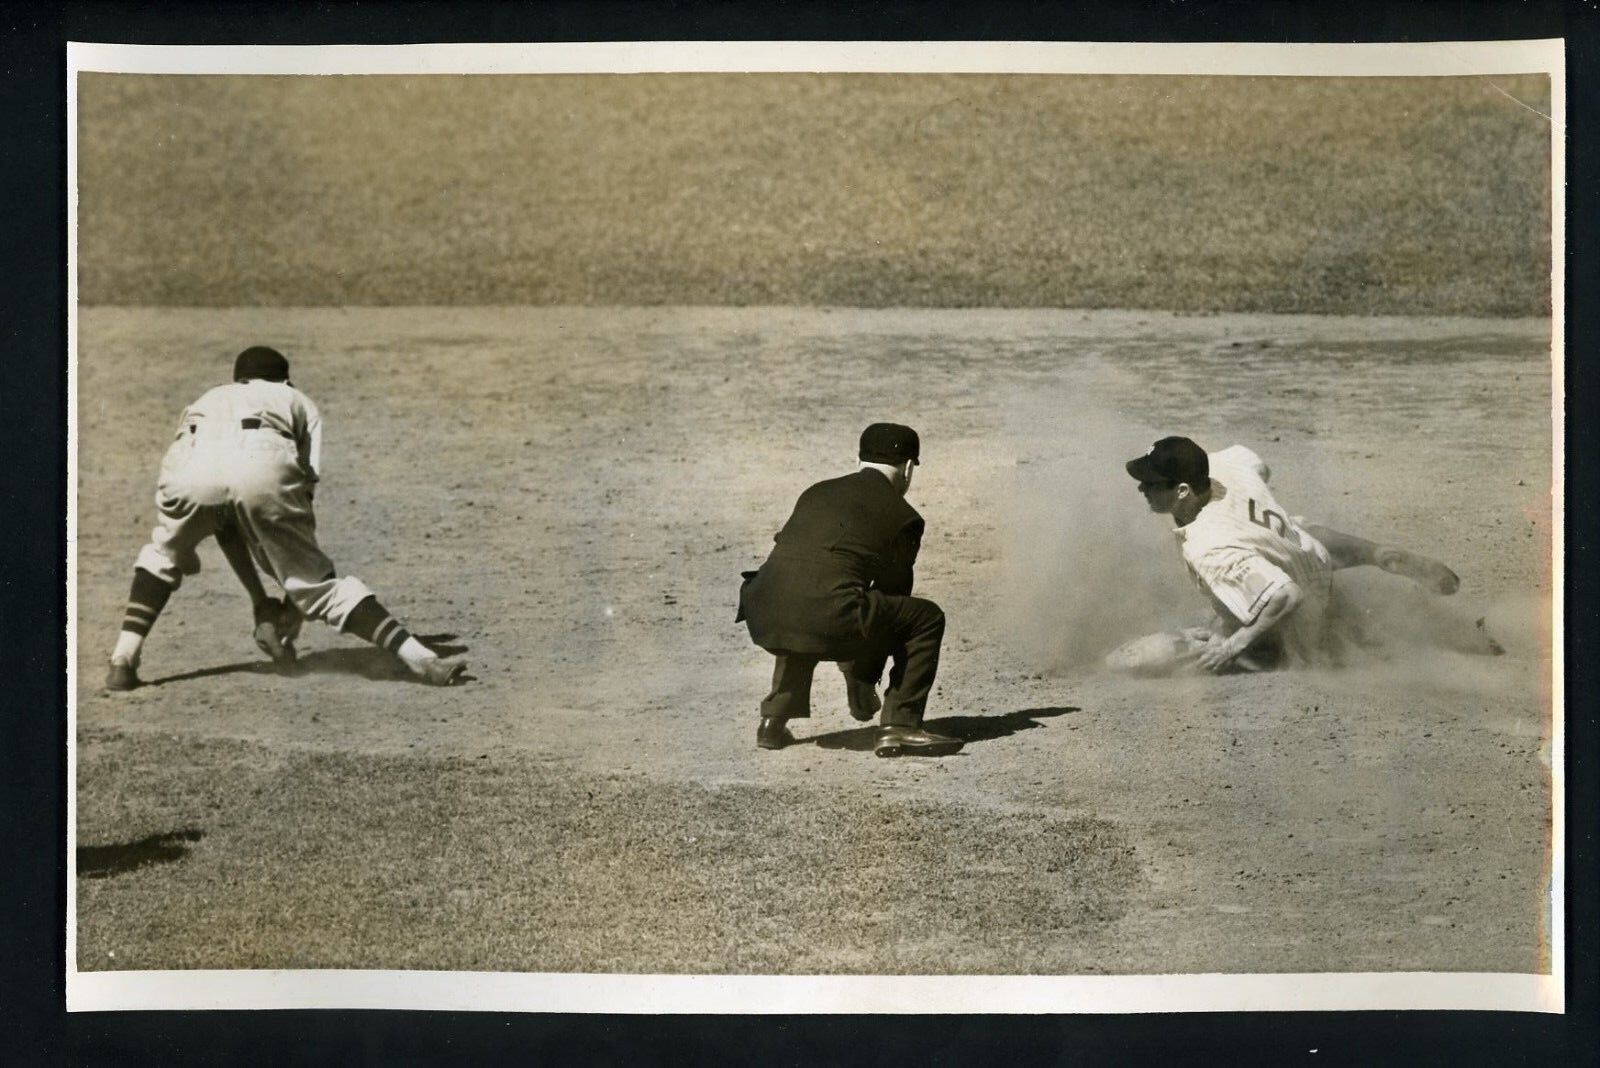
{"points": [[277, 624]]}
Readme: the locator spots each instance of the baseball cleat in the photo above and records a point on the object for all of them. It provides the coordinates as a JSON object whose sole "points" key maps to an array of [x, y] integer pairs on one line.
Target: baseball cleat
{"points": [[773, 733], [122, 677], [1425, 572], [438, 672], [914, 741]]}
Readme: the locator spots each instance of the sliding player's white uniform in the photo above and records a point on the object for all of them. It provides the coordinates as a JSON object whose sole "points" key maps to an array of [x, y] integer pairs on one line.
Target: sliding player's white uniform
{"points": [[1244, 546], [1241, 548]]}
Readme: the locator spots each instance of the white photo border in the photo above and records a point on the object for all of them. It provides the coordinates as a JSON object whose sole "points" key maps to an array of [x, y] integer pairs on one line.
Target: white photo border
{"points": [[649, 994]]}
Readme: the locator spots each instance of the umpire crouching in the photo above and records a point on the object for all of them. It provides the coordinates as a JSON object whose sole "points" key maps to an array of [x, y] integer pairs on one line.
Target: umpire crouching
{"points": [[837, 586]]}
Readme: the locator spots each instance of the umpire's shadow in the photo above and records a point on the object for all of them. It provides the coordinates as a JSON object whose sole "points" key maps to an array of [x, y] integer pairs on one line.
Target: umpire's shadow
{"points": [[967, 728], [365, 661]]}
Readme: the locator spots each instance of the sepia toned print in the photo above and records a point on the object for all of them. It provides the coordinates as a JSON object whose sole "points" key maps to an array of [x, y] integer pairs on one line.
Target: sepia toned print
{"points": [[580, 343]]}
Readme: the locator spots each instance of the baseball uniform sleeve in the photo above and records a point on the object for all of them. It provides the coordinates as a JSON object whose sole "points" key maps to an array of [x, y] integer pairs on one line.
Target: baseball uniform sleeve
{"points": [[1241, 581], [308, 436]]}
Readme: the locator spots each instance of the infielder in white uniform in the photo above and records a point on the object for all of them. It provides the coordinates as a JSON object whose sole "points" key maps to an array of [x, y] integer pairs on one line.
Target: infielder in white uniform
{"points": [[243, 467], [1267, 574]]}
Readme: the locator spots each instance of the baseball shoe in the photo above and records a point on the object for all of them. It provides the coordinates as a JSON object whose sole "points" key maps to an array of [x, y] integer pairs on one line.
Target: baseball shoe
{"points": [[1430, 574], [436, 672], [914, 741], [122, 677], [773, 733], [863, 698]]}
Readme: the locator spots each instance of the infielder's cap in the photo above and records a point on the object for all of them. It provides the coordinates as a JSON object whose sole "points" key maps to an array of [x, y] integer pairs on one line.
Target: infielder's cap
{"points": [[1173, 460], [258, 361], [890, 443]]}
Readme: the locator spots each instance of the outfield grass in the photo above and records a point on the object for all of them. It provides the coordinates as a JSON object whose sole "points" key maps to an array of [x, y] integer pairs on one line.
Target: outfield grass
{"points": [[508, 863], [1362, 196]]}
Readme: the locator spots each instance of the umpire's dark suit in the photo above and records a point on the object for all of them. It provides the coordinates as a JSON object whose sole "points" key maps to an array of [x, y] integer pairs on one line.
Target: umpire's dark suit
{"points": [[837, 586]]}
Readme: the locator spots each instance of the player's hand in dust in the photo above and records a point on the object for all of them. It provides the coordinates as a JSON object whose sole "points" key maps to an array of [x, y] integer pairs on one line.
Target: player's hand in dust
{"points": [[1219, 652]]}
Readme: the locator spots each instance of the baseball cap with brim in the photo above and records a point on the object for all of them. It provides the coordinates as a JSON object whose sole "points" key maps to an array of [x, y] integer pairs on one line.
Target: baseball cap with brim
{"points": [[259, 361], [890, 443], [1172, 460]]}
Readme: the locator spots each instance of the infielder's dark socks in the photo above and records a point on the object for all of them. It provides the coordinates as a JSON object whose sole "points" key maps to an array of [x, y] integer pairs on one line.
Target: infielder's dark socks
{"points": [[371, 622], [145, 602]]}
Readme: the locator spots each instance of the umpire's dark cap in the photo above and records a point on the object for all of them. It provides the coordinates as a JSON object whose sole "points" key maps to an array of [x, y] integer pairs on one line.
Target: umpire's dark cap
{"points": [[259, 361], [1173, 460], [890, 443]]}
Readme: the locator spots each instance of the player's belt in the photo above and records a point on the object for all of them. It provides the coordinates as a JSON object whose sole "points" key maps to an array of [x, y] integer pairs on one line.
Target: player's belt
{"points": [[252, 423]]}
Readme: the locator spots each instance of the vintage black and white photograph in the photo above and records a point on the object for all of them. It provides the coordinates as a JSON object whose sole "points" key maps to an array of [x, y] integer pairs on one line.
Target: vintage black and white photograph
{"points": [[624, 515]]}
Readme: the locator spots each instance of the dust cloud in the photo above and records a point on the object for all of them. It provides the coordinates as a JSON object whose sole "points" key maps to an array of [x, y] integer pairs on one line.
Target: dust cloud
{"points": [[1391, 633], [1086, 565]]}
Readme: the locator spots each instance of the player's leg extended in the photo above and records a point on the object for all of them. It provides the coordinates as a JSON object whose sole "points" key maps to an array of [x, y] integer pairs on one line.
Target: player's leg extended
{"points": [[181, 526], [280, 521], [1347, 550]]}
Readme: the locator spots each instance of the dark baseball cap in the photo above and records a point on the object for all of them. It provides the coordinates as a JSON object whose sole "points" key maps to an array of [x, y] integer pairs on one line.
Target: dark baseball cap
{"points": [[890, 443], [259, 361], [1173, 460]]}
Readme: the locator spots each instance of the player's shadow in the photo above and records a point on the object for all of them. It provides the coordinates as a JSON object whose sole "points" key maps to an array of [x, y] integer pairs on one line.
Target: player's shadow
{"points": [[365, 661], [102, 862], [968, 729]]}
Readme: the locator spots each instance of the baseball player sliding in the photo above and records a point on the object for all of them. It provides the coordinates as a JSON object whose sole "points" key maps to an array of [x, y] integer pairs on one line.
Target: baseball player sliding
{"points": [[1267, 574], [243, 467]]}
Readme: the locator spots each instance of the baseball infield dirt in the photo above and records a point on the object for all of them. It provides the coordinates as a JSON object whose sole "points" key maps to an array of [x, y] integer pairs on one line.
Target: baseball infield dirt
{"points": [[571, 494]]}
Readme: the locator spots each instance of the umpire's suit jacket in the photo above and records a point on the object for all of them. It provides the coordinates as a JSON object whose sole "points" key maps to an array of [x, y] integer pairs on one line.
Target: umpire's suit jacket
{"points": [[850, 541]]}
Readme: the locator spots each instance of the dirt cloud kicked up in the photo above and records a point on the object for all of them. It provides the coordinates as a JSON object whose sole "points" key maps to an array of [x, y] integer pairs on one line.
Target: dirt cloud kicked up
{"points": [[1405, 637], [1086, 566]]}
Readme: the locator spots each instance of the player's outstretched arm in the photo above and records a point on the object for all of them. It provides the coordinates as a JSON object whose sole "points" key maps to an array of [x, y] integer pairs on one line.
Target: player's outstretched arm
{"points": [[231, 540], [274, 634], [1221, 650]]}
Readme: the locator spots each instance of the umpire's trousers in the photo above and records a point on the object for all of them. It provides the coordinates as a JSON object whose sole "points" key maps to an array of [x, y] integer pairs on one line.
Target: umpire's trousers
{"points": [[910, 629]]}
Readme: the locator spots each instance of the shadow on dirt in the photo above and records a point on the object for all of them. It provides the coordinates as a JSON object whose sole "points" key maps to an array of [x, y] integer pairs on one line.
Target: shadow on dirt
{"points": [[102, 862], [967, 728], [366, 661]]}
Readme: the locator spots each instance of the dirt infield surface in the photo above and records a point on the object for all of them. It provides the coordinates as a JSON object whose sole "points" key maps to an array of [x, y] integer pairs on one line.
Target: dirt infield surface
{"points": [[570, 495]]}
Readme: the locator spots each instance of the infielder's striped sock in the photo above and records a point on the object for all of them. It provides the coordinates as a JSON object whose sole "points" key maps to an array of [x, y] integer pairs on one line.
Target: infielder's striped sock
{"points": [[145, 602], [371, 622]]}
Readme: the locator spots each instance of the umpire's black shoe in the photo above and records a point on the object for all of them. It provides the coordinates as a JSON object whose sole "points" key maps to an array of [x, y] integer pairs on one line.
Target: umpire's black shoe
{"points": [[773, 734], [914, 741]]}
